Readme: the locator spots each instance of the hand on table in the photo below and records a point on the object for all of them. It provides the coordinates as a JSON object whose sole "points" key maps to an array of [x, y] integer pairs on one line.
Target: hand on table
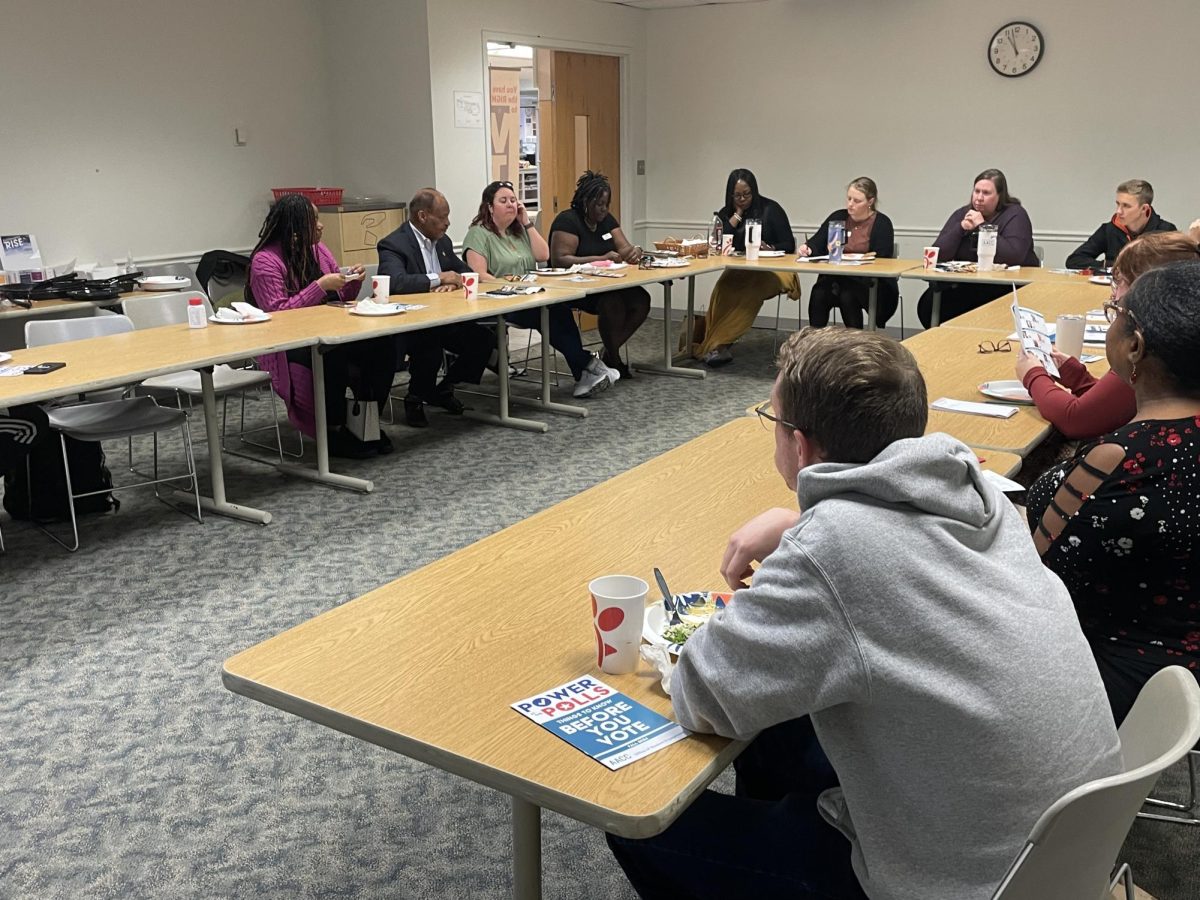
{"points": [[451, 280], [445, 288], [753, 542], [805, 250], [331, 281], [1026, 361], [632, 254], [972, 220]]}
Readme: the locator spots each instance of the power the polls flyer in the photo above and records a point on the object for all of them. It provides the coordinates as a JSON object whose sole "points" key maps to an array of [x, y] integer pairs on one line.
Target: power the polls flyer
{"points": [[608, 726]]}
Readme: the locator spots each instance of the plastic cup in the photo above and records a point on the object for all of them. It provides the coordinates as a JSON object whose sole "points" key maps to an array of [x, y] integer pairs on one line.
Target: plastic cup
{"points": [[618, 607], [470, 281], [381, 288], [1068, 335], [931, 258]]}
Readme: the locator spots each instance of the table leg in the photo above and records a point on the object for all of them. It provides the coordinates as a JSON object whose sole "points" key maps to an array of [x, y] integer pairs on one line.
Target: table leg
{"points": [[872, 302], [503, 418], [668, 366], [216, 469], [544, 401], [322, 473], [526, 850], [935, 312]]}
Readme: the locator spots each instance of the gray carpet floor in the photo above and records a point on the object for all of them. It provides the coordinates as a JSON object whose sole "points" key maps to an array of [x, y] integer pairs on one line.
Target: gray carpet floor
{"points": [[126, 770]]}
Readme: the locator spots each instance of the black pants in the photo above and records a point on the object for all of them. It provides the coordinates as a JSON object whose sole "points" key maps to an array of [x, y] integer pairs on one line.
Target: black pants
{"points": [[564, 333], [1123, 677], [365, 367], [852, 296], [766, 841], [471, 344], [958, 299]]}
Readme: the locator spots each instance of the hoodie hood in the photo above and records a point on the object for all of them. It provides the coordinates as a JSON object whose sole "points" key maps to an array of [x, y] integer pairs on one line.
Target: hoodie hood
{"points": [[934, 474], [1153, 223]]}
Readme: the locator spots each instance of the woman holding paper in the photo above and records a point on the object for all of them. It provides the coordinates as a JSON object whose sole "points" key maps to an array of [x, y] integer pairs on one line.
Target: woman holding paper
{"points": [[1120, 522], [1091, 407], [290, 268], [990, 204], [740, 293], [867, 231], [503, 240]]}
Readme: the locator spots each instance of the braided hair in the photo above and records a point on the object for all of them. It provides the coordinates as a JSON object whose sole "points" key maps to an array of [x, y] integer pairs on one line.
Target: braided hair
{"points": [[292, 224], [588, 189]]}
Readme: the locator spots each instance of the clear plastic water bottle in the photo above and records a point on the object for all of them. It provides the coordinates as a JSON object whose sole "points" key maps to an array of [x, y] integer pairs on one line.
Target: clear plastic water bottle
{"points": [[196, 317], [714, 235], [837, 239]]}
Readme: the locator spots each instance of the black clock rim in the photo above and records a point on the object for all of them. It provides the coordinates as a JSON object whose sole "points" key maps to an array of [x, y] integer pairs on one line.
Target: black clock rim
{"points": [[1036, 62]]}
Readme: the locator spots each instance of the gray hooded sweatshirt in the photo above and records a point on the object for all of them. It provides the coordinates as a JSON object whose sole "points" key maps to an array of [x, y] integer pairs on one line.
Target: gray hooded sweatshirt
{"points": [[942, 664]]}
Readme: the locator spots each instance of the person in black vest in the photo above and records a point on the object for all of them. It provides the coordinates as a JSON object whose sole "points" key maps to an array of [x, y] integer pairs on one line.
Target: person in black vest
{"points": [[419, 259], [1133, 218], [588, 232]]}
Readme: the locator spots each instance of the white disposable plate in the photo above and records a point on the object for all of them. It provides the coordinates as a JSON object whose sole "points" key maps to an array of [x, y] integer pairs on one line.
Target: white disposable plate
{"points": [[164, 283], [769, 254], [265, 317], [656, 616], [5, 357], [1011, 391], [384, 309], [1101, 279], [554, 272], [669, 264]]}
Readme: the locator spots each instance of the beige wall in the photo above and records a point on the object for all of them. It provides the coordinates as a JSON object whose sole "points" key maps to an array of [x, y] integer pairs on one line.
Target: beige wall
{"points": [[118, 120]]}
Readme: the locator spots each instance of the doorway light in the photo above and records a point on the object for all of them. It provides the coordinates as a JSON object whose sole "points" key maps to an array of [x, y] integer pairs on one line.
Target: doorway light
{"points": [[510, 49]]}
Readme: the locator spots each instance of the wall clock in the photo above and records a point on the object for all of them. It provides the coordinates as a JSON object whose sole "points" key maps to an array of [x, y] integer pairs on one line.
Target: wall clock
{"points": [[1015, 49]]}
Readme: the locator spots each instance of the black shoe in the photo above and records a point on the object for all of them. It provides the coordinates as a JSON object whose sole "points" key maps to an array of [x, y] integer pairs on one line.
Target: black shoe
{"points": [[414, 413], [346, 446], [616, 364], [383, 446], [446, 400]]}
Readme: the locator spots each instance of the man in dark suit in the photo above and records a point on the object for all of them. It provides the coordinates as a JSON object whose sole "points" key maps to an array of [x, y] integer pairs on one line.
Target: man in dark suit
{"points": [[419, 259]]}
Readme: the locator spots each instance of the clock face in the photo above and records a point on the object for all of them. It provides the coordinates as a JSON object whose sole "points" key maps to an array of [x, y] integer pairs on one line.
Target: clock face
{"points": [[1015, 49]]}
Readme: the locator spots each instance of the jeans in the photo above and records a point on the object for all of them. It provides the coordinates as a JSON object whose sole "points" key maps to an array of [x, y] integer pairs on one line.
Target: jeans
{"points": [[766, 841]]}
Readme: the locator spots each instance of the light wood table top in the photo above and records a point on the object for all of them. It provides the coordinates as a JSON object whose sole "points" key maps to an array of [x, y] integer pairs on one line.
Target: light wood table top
{"points": [[877, 268], [1051, 299], [428, 665], [1019, 276]]}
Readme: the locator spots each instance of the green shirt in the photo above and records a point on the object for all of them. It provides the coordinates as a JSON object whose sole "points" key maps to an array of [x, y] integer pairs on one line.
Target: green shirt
{"points": [[505, 254]]}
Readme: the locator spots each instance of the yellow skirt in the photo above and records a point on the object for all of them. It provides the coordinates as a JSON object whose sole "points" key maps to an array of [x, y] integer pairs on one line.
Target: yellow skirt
{"points": [[736, 299]]}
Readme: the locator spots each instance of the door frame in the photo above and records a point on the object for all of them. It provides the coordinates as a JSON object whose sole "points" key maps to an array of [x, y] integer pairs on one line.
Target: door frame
{"points": [[539, 42]]}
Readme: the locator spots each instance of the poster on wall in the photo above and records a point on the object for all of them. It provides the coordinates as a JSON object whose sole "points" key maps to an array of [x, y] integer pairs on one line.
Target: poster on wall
{"points": [[468, 109], [506, 123]]}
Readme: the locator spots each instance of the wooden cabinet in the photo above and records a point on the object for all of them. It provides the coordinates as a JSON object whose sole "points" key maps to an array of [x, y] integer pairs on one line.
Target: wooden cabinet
{"points": [[352, 233]]}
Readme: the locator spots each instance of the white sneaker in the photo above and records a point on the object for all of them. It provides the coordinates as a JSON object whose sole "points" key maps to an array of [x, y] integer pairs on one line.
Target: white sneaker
{"points": [[596, 377]]}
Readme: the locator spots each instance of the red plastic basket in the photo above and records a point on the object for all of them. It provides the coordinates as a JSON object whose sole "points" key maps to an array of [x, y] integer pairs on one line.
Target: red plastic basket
{"points": [[319, 196]]}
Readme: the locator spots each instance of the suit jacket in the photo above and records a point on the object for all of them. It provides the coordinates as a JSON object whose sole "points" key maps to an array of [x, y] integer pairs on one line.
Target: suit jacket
{"points": [[401, 259]]}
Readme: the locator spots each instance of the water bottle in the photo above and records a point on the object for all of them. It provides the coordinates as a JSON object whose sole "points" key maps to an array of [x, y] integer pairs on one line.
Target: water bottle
{"points": [[196, 317], [714, 235], [987, 248], [837, 238]]}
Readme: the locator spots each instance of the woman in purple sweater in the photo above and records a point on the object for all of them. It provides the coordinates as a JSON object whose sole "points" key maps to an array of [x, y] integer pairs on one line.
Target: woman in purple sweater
{"points": [[959, 241], [290, 268]]}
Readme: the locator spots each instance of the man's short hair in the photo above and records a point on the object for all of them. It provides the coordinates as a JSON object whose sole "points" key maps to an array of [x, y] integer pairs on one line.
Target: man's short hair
{"points": [[1137, 188], [424, 199], [852, 392]]}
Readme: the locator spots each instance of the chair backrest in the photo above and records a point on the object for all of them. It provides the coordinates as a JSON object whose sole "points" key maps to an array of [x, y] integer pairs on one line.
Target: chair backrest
{"points": [[162, 309], [1073, 846], [222, 274], [364, 288], [57, 331]]}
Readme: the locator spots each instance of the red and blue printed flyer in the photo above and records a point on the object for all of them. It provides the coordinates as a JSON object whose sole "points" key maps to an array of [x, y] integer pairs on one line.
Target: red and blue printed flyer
{"points": [[608, 726]]}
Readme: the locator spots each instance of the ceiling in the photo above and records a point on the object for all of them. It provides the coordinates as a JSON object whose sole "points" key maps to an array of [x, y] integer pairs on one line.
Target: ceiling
{"points": [[666, 4]]}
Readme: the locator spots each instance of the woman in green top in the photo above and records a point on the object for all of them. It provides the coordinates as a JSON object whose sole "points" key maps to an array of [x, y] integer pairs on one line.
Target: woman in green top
{"points": [[503, 241]]}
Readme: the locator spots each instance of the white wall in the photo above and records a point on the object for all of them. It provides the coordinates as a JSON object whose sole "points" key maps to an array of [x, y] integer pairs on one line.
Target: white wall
{"points": [[118, 121], [903, 92], [379, 85], [458, 30]]}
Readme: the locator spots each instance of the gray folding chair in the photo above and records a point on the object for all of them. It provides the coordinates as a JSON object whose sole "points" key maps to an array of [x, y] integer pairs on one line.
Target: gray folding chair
{"points": [[110, 419], [171, 309], [1073, 847]]}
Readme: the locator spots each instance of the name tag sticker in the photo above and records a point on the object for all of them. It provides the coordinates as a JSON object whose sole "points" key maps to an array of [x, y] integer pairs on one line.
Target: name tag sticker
{"points": [[606, 237]]}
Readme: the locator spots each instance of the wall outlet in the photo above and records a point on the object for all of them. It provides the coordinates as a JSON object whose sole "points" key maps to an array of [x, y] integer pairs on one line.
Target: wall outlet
{"points": [[641, 167]]}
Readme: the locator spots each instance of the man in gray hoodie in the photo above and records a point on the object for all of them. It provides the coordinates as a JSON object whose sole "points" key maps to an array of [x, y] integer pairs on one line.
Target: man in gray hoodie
{"points": [[904, 617]]}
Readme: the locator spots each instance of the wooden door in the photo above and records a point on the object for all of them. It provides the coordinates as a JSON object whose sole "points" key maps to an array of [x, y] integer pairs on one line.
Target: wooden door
{"points": [[585, 132]]}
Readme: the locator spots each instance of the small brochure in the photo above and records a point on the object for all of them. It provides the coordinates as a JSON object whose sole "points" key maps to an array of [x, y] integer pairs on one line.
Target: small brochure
{"points": [[20, 253], [511, 290], [1034, 336], [608, 726]]}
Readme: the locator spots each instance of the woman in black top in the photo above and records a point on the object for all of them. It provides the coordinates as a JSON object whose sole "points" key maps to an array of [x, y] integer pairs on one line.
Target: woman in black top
{"points": [[739, 293], [867, 231], [587, 232], [1120, 523]]}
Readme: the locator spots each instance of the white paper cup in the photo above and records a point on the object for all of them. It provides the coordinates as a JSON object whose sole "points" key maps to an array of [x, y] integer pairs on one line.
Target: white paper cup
{"points": [[1068, 335], [752, 252], [931, 258], [470, 282], [726, 244], [381, 288], [618, 607]]}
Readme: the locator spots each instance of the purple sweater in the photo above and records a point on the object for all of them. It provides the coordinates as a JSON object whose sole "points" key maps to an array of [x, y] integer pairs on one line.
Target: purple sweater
{"points": [[1014, 242], [268, 282]]}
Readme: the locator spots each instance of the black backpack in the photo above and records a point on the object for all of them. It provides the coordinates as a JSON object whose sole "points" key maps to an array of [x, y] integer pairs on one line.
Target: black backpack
{"points": [[47, 483]]}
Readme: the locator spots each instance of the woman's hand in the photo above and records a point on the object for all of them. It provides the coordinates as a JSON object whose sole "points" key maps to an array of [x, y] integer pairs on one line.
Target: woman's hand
{"points": [[972, 220], [1060, 359], [332, 281], [1026, 362], [612, 256], [805, 250], [763, 245], [632, 254], [522, 214]]}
